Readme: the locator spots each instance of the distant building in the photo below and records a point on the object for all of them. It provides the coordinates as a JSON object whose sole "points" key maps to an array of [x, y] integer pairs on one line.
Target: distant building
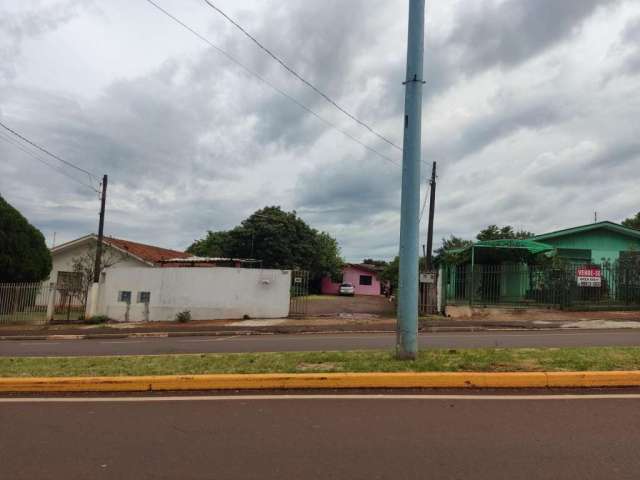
{"points": [[364, 277]]}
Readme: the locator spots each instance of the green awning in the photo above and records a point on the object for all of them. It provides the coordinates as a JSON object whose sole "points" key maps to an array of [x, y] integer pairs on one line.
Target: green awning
{"points": [[532, 246]]}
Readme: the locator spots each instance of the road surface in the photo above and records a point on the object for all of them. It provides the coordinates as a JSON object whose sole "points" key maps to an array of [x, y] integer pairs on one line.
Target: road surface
{"points": [[315, 342], [275, 438]]}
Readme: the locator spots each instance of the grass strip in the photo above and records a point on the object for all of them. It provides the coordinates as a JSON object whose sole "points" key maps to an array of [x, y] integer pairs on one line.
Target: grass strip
{"points": [[443, 360]]}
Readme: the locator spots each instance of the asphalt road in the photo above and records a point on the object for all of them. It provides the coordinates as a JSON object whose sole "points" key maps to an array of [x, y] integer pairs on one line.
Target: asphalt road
{"points": [[321, 438], [315, 342]]}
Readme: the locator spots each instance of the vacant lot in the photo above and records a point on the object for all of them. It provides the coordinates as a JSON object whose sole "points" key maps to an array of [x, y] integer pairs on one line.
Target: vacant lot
{"points": [[335, 305]]}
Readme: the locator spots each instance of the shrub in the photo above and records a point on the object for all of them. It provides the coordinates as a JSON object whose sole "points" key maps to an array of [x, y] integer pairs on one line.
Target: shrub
{"points": [[97, 319], [183, 317]]}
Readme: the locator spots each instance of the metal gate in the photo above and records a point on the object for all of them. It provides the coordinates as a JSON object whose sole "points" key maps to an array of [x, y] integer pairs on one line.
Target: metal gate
{"points": [[299, 293], [70, 299], [429, 293]]}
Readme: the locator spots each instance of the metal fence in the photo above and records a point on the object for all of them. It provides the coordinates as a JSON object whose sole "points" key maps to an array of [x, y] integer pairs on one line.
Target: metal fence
{"points": [[571, 286], [24, 302]]}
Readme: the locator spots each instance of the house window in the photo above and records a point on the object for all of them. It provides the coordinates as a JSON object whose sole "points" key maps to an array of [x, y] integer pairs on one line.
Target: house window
{"points": [[144, 297], [124, 296], [366, 280], [575, 255]]}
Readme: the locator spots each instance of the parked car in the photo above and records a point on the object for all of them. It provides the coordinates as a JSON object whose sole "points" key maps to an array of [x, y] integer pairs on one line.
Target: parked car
{"points": [[347, 289]]}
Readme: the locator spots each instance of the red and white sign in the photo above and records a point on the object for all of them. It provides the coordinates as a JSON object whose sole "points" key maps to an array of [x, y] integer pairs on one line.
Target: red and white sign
{"points": [[589, 277]]}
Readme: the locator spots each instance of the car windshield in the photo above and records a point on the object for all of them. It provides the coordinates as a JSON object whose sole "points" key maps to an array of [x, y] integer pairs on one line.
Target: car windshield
{"points": [[346, 285]]}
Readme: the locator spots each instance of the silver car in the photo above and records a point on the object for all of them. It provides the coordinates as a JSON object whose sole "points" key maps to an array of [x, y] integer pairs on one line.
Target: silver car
{"points": [[347, 289]]}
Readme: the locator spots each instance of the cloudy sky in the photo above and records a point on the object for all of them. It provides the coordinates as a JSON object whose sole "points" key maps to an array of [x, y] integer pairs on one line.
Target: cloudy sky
{"points": [[531, 109]]}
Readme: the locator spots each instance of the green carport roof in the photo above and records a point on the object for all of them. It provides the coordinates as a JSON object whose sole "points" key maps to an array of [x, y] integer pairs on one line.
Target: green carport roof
{"points": [[532, 246]]}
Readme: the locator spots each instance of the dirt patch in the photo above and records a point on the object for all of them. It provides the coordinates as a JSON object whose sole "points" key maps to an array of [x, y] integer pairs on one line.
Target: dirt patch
{"points": [[359, 305]]}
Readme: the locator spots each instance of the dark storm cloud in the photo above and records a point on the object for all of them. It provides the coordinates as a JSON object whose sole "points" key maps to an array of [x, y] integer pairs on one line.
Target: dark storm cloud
{"points": [[618, 161], [345, 191], [505, 34]]}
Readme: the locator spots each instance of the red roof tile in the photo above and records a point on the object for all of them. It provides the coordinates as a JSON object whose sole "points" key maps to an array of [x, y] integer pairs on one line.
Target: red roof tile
{"points": [[148, 253]]}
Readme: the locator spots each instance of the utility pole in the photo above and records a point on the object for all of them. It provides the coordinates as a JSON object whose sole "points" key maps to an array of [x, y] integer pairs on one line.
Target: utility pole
{"points": [[103, 198], [407, 329], [432, 204]]}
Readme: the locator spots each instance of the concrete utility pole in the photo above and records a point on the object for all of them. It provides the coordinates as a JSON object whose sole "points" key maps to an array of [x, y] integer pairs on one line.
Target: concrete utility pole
{"points": [[103, 198], [432, 205], [92, 303], [407, 329]]}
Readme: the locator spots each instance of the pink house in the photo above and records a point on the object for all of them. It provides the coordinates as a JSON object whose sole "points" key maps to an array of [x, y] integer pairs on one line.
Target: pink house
{"points": [[365, 278]]}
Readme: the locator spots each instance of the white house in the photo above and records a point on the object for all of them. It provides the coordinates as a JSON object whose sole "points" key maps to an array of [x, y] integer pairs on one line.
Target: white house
{"points": [[118, 253]]}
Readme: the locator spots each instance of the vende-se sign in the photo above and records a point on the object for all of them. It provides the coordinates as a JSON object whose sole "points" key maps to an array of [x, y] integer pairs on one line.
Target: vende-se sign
{"points": [[589, 277]]}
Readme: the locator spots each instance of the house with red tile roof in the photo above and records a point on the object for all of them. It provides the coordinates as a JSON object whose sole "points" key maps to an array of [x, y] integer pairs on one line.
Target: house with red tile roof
{"points": [[118, 253]]}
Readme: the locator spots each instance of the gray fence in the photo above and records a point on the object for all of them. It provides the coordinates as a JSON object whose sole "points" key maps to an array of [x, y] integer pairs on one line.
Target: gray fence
{"points": [[24, 302], [572, 286]]}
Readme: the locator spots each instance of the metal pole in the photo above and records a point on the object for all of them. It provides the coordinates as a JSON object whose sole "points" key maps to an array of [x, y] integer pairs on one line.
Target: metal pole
{"points": [[407, 329], [96, 267], [432, 204], [473, 271]]}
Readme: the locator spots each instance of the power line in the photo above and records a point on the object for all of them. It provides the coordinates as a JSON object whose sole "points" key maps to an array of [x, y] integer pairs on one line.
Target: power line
{"points": [[42, 149], [35, 156], [266, 82], [300, 77]]}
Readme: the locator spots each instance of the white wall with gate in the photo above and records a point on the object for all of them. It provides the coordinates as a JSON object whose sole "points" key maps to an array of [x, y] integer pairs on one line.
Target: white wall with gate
{"points": [[208, 293]]}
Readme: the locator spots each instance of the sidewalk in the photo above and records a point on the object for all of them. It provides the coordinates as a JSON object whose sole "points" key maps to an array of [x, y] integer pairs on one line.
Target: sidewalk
{"points": [[344, 324]]}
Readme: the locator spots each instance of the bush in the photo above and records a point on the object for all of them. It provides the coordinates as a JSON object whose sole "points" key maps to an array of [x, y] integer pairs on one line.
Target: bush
{"points": [[183, 317], [97, 319]]}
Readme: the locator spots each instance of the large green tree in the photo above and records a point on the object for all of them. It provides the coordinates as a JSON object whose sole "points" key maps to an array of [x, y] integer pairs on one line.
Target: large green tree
{"points": [[24, 256], [632, 222], [279, 239], [493, 232]]}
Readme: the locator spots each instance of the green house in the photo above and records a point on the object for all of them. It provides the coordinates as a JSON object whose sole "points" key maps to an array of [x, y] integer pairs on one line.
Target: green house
{"points": [[597, 243], [599, 264]]}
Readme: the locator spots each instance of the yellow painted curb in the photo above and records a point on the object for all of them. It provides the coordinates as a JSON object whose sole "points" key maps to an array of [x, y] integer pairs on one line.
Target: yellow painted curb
{"points": [[321, 381]]}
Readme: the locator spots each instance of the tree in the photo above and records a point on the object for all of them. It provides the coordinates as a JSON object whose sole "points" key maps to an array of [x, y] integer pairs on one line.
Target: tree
{"points": [[280, 240], [444, 254], [215, 244], [24, 256], [391, 272], [376, 263], [86, 262], [493, 232], [632, 222]]}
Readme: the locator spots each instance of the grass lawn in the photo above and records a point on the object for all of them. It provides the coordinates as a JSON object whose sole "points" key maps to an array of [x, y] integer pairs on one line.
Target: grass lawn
{"points": [[476, 360]]}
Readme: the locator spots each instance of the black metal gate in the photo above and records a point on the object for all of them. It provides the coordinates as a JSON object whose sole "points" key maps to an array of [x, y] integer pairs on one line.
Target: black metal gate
{"points": [[299, 293]]}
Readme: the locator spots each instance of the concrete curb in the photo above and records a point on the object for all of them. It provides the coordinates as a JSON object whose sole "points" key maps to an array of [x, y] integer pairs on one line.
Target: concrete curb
{"points": [[321, 381], [236, 333]]}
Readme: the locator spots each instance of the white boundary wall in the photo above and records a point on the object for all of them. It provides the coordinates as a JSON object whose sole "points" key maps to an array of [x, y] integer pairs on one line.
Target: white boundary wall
{"points": [[208, 293]]}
